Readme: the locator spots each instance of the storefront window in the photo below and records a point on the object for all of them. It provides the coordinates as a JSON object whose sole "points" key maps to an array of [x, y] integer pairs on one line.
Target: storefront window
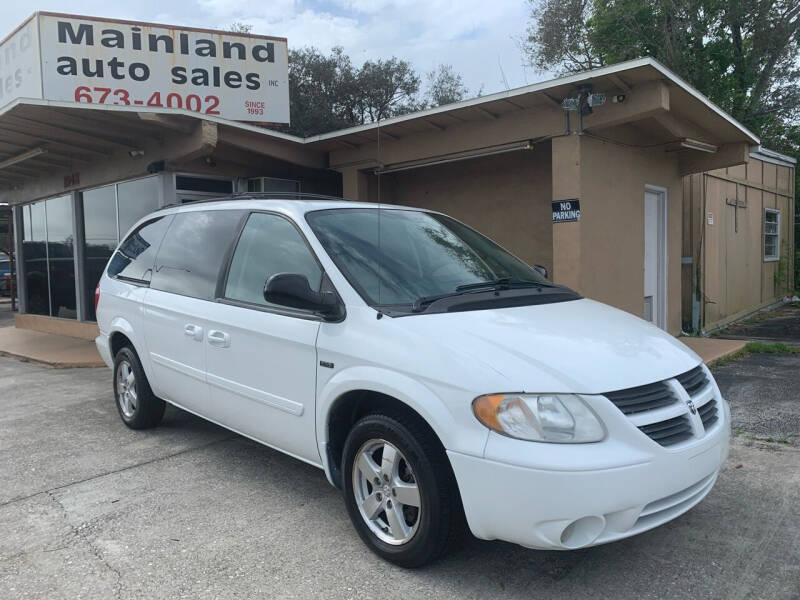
{"points": [[61, 257], [48, 246], [34, 258], [100, 230], [108, 213], [47, 254], [136, 199]]}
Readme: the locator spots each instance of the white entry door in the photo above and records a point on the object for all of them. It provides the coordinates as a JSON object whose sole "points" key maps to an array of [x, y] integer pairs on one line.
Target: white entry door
{"points": [[655, 241]]}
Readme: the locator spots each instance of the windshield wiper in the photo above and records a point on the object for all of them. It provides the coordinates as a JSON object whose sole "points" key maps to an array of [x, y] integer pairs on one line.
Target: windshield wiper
{"points": [[502, 283], [424, 301]]}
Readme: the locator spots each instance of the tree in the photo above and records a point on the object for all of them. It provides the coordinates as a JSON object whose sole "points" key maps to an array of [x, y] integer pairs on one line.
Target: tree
{"points": [[558, 36], [321, 91], [385, 88], [328, 92], [740, 53], [445, 86], [239, 27]]}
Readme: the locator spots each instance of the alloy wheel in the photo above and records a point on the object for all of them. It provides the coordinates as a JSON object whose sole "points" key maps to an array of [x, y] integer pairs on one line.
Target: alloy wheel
{"points": [[126, 389], [386, 492]]}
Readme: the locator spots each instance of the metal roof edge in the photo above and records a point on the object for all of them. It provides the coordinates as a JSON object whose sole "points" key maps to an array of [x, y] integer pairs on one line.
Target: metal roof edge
{"points": [[773, 157], [541, 86]]}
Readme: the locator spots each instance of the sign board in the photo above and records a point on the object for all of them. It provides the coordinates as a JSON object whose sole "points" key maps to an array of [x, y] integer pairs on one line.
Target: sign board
{"points": [[235, 76], [566, 211], [20, 67]]}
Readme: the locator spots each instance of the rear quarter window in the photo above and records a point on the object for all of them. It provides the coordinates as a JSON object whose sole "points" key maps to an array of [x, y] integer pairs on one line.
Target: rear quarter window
{"points": [[135, 257], [193, 251]]}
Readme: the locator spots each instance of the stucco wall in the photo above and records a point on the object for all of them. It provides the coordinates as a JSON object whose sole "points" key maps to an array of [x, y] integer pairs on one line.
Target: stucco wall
{"points": [[506, 197], [612, 224]]}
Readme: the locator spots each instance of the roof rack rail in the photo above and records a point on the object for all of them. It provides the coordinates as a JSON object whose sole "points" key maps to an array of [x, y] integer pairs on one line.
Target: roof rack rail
{"points": [[260, 196]]}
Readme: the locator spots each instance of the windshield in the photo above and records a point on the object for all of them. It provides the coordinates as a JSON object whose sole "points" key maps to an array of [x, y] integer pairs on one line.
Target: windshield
{"points": [[409, 255]]}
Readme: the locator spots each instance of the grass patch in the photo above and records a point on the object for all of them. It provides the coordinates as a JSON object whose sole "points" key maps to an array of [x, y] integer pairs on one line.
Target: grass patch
{"points": [[756, 348], [771, 348]]}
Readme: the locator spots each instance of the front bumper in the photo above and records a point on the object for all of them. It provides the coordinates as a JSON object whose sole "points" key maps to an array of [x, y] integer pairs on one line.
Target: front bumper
{"points": [[562, 497]]}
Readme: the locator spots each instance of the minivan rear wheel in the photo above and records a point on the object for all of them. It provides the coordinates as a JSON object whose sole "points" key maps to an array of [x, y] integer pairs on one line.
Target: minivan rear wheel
{"points": [[137, 406], [399, 489]]}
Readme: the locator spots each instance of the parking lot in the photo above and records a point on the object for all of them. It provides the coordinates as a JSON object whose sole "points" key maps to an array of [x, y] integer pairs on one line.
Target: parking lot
{"points": [[90, 509]]}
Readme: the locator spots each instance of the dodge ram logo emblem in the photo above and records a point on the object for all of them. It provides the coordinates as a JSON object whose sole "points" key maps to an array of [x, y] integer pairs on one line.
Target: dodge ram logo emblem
{"points": [[691, 406]]}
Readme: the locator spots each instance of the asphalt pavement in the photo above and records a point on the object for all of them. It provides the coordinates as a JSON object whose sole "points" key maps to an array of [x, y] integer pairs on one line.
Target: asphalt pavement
{"points": [[91, 509]]}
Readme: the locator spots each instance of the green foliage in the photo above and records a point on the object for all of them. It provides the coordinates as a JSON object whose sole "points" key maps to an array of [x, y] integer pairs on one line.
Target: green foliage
{"points": [[445, 86], [756, 348], [327, 92], [742, 54], [771, 348]]}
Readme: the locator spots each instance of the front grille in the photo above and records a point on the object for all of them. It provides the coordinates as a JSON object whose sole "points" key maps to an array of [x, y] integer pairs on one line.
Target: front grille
{"points": [[669, 432], [642, 398], [708, 413], [693, 381]]}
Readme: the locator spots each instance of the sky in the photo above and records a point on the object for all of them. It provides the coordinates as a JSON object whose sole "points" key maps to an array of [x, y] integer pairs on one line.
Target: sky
{"points": [[480, 38]]}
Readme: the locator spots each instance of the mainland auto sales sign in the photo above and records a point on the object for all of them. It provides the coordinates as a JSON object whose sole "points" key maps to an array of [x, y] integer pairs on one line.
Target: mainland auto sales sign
{"points": [[240, 77]]}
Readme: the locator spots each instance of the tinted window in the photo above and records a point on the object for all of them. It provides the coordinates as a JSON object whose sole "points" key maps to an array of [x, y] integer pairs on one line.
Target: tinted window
{"points": [[136, 255], [269, 244], [34, 259], [193, 251], [60, 237], [202, 184], [398, 256], [136, 199], [100, 234]]}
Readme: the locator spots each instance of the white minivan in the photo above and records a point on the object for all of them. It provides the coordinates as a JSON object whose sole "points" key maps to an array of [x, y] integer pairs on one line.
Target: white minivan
{"points": [[434, 376]]}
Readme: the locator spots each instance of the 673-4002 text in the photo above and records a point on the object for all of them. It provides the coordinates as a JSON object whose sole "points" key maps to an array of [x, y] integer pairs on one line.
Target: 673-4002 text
{"points": [[102, 95]]}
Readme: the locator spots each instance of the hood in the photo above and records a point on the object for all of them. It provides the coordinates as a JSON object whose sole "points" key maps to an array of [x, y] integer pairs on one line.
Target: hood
{"points": [[580, 346]]}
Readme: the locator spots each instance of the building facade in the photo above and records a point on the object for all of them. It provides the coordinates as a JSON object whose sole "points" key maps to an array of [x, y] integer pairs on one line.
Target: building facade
{"points": [[739, 247], [79, 174]]}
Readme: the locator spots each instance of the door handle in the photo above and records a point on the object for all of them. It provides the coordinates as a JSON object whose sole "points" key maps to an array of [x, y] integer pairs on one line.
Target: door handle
{"points": [[219, 338], [194, 331]]}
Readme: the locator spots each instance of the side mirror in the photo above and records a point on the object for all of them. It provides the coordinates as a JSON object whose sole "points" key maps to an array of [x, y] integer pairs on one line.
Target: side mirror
{"points": [[540, 270], [294, 291]]}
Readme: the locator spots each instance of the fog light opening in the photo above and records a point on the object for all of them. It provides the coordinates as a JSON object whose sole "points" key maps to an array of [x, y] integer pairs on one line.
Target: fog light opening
{"points": [[582, 532]]}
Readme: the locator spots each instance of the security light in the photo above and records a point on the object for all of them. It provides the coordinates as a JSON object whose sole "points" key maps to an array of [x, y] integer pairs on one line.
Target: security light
{"points": [[571, 103], [596, 99]]}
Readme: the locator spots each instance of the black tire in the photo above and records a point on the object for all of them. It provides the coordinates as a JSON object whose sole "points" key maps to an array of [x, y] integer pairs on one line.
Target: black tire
{"points": [[147, 410], [440, 520]]}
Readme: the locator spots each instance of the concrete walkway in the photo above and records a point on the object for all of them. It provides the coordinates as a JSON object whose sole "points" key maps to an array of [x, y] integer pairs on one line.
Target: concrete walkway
{"points": [[711, 349], [52, 350]]}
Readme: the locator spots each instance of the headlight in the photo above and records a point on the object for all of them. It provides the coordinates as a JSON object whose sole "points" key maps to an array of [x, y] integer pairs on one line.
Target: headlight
{"points": [[539, 417]]}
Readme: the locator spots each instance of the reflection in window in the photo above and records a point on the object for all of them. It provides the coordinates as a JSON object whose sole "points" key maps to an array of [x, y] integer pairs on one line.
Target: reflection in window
{"points": [[48, 257], [136, 199], [100, 231], [34, 259], [190, 258], [269, 245], [135, 257], [60, 257], [398, 256]]}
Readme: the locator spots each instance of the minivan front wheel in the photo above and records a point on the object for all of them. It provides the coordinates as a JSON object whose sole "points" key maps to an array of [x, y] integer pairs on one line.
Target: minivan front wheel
{"points": [[399, 489], [137, 405]]}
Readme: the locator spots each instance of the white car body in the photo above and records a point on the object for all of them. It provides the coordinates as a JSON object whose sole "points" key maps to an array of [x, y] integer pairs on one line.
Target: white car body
{"points": [[262, 377]]}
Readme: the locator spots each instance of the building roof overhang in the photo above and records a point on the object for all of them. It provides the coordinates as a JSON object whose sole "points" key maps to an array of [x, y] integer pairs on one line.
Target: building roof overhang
{"points": [[41, 136], [686, 105]]}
